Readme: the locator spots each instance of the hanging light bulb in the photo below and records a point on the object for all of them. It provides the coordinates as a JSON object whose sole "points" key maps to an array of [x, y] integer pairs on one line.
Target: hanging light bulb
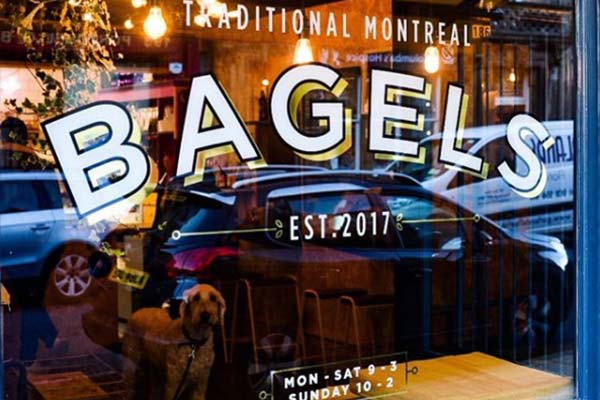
{"points": [[303, 53], [432, 59], [75, 3], [87, 17], [200, 20], [512, 76], [138, 3], [155, 25], [216, 9], [128, 24]]}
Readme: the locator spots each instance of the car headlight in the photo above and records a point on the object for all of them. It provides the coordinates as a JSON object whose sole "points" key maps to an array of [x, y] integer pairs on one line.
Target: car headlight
{"points": [[557, 256]]}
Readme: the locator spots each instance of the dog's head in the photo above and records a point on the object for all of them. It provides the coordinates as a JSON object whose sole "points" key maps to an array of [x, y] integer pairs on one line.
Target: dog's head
{"points": [[202, 308]]}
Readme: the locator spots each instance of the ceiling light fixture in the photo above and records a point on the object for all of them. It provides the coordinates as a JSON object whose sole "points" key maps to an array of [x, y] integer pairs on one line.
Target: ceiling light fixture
{"points": [[432, 59], [200, 20], [303, 53], [139, 3], [155, 25], [128, 24]]}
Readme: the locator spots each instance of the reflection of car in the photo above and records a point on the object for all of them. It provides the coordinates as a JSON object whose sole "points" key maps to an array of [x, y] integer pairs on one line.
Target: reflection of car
{"points": [[41, 235], [456, 276], [201, 206], [550, 212]]}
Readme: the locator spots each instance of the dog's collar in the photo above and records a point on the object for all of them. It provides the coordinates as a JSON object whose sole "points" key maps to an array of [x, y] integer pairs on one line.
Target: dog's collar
{"points": [[192, 342]]}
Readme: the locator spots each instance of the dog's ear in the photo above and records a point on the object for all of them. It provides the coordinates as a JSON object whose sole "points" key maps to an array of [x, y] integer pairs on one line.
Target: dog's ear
{"points": [[184, 302]]}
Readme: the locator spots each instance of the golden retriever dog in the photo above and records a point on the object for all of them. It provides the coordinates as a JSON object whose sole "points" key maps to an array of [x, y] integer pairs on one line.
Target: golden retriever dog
{"points": [[159, 348]]}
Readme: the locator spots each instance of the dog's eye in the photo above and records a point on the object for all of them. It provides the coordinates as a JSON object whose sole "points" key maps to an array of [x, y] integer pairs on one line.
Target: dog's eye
{"points": [[197, 297], [213, 298]]}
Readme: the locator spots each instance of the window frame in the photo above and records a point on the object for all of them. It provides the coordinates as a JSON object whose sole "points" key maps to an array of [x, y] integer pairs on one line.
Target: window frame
{"points": [[587, 196]]}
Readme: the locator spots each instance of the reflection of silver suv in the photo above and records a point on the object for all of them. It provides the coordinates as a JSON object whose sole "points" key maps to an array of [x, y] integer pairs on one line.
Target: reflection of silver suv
{"points": [[41, 236]]}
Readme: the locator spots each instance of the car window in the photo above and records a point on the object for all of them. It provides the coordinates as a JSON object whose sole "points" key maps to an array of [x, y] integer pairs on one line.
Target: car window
{"points": [[424, 223], [19, 196], [494, 153], [54, 198], [346, 219], [189, 214]]}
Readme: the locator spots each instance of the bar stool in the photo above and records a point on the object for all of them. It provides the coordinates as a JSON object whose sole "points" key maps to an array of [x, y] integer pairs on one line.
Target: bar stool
{"points": [[357, 304], [250, 286], [318, 295], [221, 284]]}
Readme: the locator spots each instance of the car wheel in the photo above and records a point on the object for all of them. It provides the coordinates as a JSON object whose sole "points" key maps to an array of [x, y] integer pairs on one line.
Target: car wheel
{"points": [[69, 277], [535, 322]]}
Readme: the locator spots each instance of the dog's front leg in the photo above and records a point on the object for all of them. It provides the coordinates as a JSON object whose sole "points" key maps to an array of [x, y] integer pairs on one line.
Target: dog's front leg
{"points": [[199, 391], [173, 380]]}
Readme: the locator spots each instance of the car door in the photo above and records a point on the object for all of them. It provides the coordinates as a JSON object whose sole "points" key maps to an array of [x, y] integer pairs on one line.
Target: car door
{"points": [[344, 245], [443, 265], [26, 221]]}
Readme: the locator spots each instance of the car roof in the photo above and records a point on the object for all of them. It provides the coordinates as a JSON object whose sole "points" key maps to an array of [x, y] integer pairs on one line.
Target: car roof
{"points": [[280, 182], [20, 175], [240, 172], [332, 175], [324, 187], [495, 131]]}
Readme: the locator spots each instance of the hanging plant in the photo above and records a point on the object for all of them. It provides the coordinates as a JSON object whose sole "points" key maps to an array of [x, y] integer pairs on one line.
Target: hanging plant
{"points": [[69, 50], [70, 39]]}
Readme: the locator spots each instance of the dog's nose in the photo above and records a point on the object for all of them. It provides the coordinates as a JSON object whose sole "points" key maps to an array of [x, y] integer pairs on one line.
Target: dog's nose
{"points": [[205, 316]]}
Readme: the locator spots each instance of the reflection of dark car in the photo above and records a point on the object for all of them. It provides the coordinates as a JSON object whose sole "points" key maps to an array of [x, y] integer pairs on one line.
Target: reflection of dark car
{"points": [[456, 277]]}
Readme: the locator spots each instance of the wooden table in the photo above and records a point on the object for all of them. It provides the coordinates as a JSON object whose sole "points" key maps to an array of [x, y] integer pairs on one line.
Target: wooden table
{"points": [[470, 377]]}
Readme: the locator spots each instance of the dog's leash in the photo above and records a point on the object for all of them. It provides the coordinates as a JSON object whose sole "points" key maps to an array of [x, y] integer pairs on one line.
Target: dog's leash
{"points": [[194, 345], [186, 371]]}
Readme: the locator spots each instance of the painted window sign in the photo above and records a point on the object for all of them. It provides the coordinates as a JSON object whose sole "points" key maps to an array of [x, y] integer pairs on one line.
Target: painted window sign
{"points": [[289, 200], [213, 127]]}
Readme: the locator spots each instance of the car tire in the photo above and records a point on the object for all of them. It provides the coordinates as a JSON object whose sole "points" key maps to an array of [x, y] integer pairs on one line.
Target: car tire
{"points": [[69, 279], [535, 322]]}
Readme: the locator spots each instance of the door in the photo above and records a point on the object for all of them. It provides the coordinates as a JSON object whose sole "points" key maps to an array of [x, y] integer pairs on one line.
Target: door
{"points": [[26, 221]]}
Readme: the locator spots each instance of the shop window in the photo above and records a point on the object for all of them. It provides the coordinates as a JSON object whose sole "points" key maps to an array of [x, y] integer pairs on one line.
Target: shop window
{"points": [[276, 229]]}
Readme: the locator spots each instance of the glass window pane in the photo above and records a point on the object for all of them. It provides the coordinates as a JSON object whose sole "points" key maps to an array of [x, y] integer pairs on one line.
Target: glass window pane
{"points": [[319, 199]]}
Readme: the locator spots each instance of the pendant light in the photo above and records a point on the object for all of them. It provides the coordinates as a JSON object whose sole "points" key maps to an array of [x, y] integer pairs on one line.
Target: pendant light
{"points": [[432, 59], [138, 3], [128, 23], [155, 25], [303, 53]]}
